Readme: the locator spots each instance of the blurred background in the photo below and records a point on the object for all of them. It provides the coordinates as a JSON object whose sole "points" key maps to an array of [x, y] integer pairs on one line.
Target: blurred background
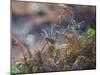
{"points": [[30, 19]]}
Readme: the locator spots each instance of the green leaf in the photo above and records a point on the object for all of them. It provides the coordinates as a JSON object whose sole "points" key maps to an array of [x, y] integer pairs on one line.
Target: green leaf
{"points": [[56, 51], [14, 69], [91, 32]]}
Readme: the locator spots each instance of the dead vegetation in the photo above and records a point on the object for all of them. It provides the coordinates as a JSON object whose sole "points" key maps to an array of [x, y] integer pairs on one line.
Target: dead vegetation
{"points": [[49, 58], [77, 52]]}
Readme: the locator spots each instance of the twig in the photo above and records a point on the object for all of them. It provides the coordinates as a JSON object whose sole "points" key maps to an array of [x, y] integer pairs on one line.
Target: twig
{"points": [[22, 45]]}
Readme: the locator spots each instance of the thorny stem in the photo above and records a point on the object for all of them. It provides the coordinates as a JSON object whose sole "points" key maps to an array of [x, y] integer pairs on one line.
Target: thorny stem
{"points": [[44, 45], [25, 58]]}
